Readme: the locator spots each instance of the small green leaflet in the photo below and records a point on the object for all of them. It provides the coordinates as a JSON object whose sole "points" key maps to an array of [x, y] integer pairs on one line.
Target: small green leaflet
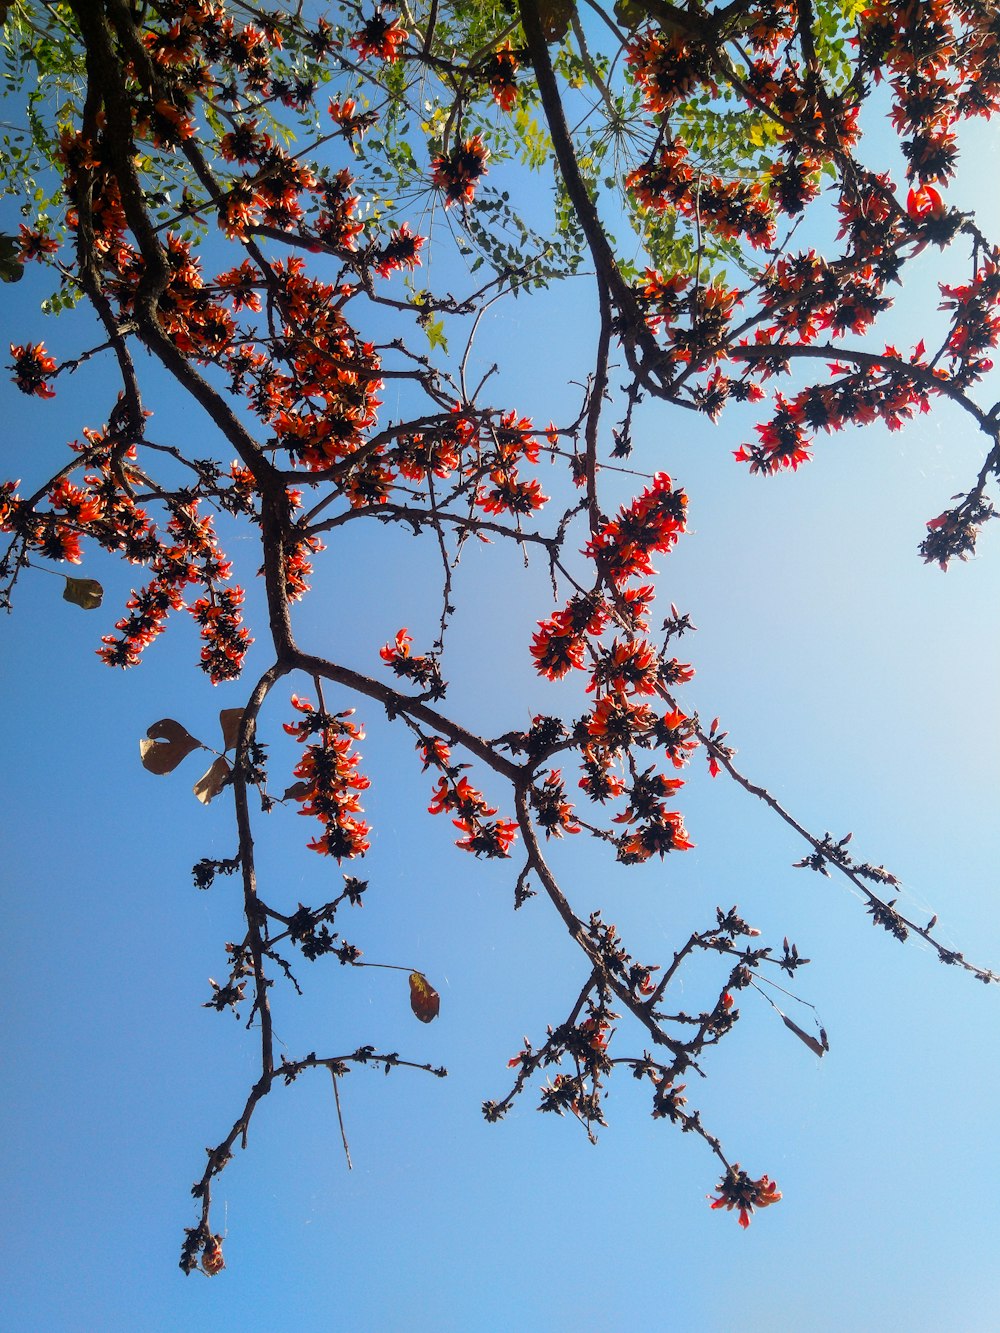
{"points": [[434, 328]]}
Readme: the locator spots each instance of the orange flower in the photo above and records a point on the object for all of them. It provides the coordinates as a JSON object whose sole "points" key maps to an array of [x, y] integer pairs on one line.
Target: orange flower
{"points": [[501, 70], [380, 37], [738, 1191], [30, 366], [457, 171]]}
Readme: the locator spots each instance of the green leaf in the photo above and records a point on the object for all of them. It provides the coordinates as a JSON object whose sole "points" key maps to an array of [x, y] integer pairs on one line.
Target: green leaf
{"points": [[434, 328]]}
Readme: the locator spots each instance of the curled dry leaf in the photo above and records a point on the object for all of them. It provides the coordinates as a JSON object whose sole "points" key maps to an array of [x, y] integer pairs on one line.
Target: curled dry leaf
{"points": [[167, 745], [298, 791], [817, 1046], [83, 592], [424, 999], [229, 720], [211, 783]]}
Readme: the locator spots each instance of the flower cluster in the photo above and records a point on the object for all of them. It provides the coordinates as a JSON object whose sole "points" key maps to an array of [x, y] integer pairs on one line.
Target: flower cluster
{"points": [[649, 524], [423, 671], [328, 783], [623, 675], [553, 811], [501, 74], [482, 835], [457, 171], [30, 366], [738, 1191], [733, 209], [667, 68], [33, 243], [402, 250], [513, 440], [188, 555], [943, 64], [380, 37], [658, 830], [226, 639]]}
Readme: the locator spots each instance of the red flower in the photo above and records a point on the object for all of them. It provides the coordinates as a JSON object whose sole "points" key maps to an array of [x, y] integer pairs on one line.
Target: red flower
{"points": [[35, 244], [662, 834], [349, 118], [510, 495], [557, 647], [616, 721], [632, 666], [501, 70], [491, 839], [924, 202], [553, 812], [424, 671], [392, 652], [329, 784], [435, 753], [401, 251], [30, 366], [380, 37], [457, 171], [460, 796], [737, 1190], [652, 522]]}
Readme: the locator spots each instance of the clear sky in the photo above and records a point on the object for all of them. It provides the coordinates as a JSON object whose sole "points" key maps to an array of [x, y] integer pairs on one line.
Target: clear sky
{"points": [[857, 683]]}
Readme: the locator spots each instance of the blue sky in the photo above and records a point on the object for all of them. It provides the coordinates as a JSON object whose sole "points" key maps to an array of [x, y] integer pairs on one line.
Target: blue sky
{"points": [[857, 684]]}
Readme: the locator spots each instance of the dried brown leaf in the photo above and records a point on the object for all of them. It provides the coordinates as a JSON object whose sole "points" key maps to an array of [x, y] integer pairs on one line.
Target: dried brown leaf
{"points": [[211, 783], [83, 592], [554, 17], [229, 720], [424, 999], [815, 1045], [167, 745]]}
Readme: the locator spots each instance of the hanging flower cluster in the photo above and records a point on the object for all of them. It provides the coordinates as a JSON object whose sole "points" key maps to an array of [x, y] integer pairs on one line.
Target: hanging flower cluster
{"points": [[513, 441], [328, 783], [457, 171], [738, 1191], [625, 673], [472, 816], [733, 209], [501, 74], [553, 812]]}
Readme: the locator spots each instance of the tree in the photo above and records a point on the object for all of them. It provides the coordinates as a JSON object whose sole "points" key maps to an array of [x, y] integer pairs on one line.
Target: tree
{"points": [[255, 232]]}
